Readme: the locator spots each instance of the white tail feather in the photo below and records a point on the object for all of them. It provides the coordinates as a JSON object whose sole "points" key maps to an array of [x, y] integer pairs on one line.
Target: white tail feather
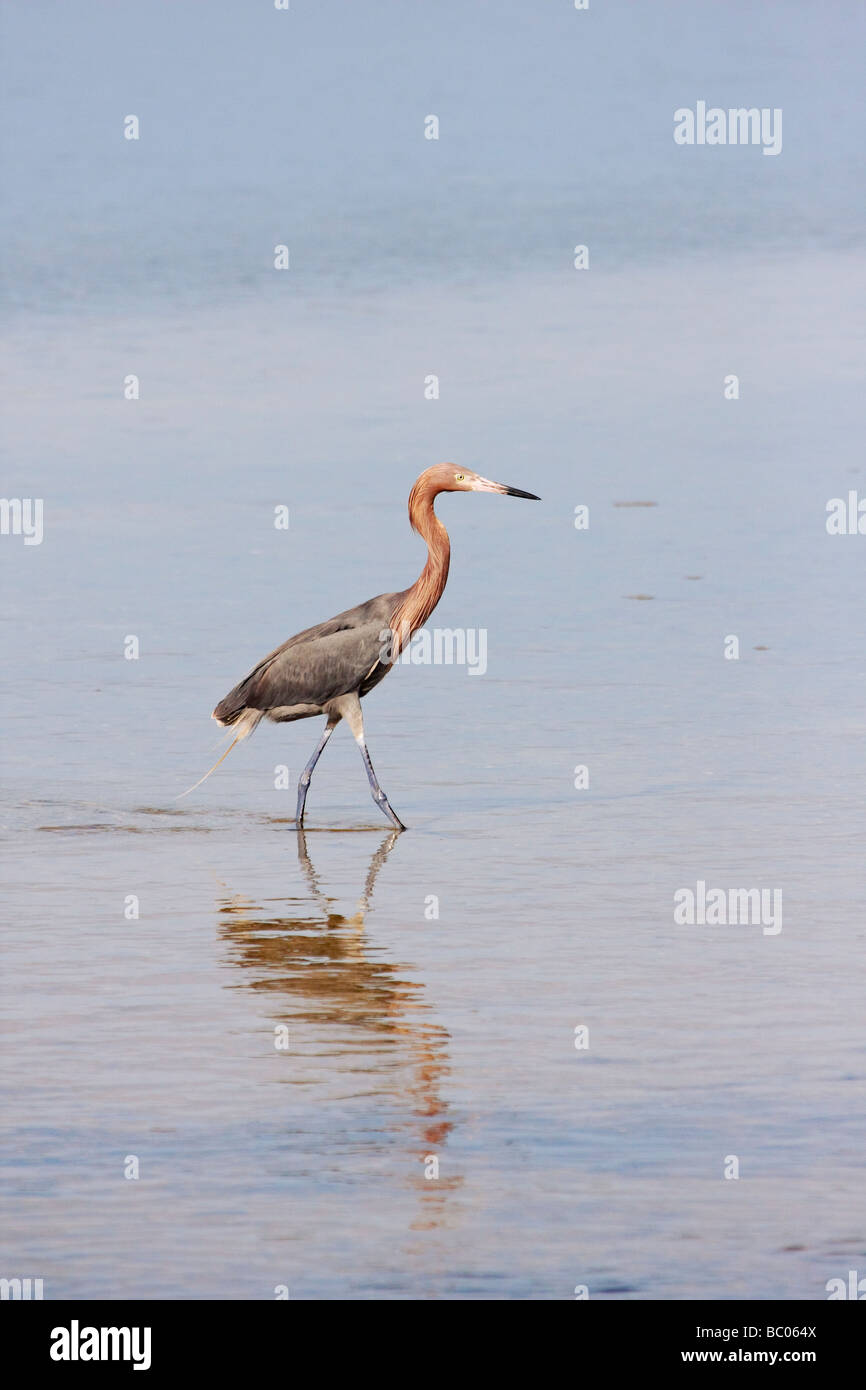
{"points": [[245, 726]]}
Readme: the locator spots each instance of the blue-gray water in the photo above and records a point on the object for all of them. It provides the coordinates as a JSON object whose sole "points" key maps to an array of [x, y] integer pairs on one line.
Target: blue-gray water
{"points": [[412, 1035]]}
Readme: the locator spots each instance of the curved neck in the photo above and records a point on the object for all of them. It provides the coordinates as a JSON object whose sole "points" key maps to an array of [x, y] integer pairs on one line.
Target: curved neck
{"points": [[417, 603]]}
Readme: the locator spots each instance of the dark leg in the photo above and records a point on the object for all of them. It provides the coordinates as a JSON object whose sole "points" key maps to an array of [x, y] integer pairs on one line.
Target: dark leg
{"points": [[379, 796], [349, 707], [307, 773]]}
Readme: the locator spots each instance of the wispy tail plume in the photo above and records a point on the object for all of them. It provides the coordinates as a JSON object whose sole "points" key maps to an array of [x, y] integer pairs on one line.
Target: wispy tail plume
{"points": [[210, 770], [246, 723]]}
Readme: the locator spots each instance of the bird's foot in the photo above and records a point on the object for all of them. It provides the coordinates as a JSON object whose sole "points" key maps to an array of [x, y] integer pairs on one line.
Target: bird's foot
{"points": [[387, 809]]}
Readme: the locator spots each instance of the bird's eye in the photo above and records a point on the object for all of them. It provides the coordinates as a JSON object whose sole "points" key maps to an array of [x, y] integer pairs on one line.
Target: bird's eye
{"points": [[460, 477]]}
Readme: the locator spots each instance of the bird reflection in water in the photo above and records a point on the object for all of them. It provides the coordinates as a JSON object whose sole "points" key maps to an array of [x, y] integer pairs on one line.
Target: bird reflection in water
{"points": [[321, 966]]}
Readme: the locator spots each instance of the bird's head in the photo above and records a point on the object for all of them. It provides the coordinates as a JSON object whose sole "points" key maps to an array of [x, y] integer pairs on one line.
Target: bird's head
{"points": [[448, 477]]}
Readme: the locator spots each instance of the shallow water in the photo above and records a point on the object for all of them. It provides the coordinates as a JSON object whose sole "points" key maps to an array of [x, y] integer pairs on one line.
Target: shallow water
{"points": [[412, 1035]]}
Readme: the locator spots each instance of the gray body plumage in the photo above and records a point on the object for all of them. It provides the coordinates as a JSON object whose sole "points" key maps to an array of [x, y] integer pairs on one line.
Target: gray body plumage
{"points": [[305, 675]]}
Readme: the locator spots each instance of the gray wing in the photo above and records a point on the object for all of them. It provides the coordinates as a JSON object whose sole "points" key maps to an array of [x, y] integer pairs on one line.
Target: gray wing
{"points": [[317, 665]]}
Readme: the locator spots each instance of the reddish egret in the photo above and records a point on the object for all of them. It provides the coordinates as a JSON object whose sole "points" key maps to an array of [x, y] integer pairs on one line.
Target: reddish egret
{"points": [[328, 669]]}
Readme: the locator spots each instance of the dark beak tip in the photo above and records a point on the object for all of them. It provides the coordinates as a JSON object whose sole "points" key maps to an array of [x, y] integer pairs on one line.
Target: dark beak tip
{"points": [[518, 492]]}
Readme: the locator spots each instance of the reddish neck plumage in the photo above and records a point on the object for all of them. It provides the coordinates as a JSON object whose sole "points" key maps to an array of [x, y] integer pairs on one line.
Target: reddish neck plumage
{"points": [[417, 603]]}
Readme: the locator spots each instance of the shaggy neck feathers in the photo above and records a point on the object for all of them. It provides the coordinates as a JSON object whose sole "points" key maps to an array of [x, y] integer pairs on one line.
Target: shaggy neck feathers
{"points": [[417, 603]]}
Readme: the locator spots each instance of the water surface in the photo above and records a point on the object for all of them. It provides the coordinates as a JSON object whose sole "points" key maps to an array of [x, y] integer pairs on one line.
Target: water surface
{"points": [[413, 1035]]}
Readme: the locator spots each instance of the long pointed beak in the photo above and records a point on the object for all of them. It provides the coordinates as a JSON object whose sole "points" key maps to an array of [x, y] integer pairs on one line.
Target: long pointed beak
{"points": [[485, 485]]}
